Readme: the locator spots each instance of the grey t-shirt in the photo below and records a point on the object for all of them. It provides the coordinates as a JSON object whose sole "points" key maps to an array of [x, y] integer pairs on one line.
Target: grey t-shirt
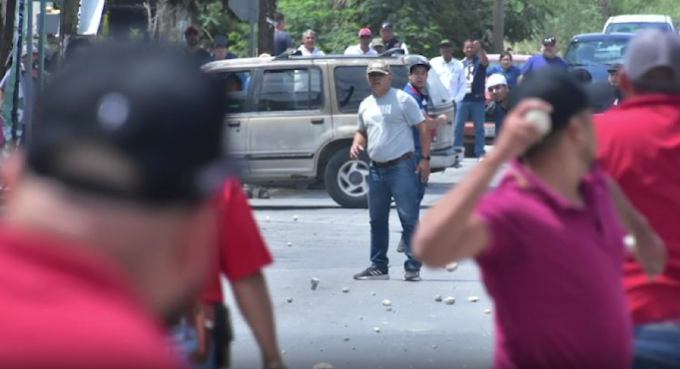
{"points": [[388, 121]]}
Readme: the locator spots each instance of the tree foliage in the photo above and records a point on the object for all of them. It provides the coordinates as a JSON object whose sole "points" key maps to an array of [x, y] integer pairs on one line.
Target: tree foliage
{"points": [[423, 23]]}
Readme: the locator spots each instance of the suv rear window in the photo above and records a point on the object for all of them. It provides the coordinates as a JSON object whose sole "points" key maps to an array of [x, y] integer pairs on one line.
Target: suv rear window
{"points": [[291, 90], [351, 87]]}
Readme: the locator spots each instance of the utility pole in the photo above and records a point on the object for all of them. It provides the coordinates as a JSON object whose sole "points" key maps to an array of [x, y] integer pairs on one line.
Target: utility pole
{"points": [[498, 25], [265, 29]]}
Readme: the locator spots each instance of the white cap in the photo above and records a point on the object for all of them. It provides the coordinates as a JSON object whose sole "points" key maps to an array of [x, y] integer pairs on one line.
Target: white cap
{"points": [[496, 80]]}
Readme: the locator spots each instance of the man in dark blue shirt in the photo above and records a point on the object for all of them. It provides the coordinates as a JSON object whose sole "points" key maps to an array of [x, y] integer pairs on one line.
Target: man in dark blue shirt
{"points": [[282, 39], [548, 57], [417, 88], [472, 106]]}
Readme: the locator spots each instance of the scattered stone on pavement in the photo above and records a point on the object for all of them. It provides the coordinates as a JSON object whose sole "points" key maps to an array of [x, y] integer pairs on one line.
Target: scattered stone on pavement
{"points": [[387, 303], [473, 298], [452, 267], [345, 289], [315, 283], [450, 300], [438, 298]]}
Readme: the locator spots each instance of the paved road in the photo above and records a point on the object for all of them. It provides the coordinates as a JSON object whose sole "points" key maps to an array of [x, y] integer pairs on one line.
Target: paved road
{"points": [[329, 325]]}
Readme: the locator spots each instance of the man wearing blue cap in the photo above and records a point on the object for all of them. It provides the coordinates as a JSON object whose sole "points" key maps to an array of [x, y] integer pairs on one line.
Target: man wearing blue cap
{"points": [[391, 42], [220, 49]]}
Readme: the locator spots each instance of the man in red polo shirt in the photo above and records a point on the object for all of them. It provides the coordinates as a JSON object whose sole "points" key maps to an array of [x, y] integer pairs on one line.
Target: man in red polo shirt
{"points": [[110, 227], [241, 257], [640, 148], [548, 240]]}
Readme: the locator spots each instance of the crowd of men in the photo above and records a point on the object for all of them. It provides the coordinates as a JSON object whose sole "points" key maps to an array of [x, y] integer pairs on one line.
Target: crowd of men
{"points": [[122, 215]]}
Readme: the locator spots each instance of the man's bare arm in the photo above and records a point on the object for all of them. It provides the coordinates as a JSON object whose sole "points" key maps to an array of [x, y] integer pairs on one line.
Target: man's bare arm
{"points": [[253, 300], [649, 249], [359, 144], [450, 231]]}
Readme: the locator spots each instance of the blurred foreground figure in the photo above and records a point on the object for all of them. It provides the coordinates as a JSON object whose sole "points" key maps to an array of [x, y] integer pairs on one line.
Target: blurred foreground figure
{"points": [[548, 240], [109, 230], [640, 149]]}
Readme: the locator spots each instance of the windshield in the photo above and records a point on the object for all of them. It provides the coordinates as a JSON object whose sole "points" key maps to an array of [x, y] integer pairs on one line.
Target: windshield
{"points": [[634, 27], [596, 52]]}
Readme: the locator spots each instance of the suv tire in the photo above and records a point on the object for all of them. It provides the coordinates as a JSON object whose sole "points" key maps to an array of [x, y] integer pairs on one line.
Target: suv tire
{"points": [[346, 179]]}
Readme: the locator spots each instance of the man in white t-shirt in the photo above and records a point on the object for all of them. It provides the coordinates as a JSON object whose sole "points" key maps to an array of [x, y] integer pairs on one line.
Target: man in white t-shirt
{"points": [[384, 130], [308, 47], [364, 47], [450, 71]]}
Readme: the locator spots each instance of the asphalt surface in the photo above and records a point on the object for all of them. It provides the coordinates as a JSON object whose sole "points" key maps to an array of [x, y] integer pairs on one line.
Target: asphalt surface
{"points": [[337, 323]]}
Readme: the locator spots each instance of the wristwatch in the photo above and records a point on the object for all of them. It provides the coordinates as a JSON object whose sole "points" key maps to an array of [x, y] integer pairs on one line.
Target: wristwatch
{"points": [[426, 158]]}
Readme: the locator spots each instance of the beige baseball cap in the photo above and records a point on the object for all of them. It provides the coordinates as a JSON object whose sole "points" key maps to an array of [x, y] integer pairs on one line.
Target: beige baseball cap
{"points": [[378, 66]]}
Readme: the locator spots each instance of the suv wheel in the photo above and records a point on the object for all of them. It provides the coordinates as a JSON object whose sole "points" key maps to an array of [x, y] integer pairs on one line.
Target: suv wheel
{"points": [[346, 179]]}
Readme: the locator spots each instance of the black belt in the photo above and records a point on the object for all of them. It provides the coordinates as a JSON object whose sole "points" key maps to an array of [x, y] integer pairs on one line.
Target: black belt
{"points": [[392, 162]]}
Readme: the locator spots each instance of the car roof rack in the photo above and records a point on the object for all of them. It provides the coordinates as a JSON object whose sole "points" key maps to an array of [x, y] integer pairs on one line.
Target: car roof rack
{"points": [[298, 55]]}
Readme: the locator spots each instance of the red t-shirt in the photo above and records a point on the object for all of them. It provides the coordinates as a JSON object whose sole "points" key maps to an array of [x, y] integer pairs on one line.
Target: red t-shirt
{"points": [[242, 251], [554, 272], [640, 148], [69, 307]]}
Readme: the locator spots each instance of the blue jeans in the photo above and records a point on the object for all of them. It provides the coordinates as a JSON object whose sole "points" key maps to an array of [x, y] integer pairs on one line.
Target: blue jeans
{"points": [[421, 191], [398, 181], [185, 338], [474, 110], [657, 346]]}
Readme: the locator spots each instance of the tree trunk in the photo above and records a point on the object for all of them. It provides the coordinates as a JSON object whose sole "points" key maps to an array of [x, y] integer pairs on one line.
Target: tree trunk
{"points": [[69, 21], [266, 31], [605, 9], [7, 19], [498, 25]]}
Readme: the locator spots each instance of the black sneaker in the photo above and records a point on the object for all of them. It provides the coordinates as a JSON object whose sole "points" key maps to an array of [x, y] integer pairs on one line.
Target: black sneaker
{"points": [[372, 273], [412, 276], [400, 247]]}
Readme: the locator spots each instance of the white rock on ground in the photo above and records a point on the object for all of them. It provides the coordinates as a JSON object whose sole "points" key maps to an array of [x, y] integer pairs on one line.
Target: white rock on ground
{"points": [[452, 267], [387, 303], [450, 300], [473, 298], [438, 298]]}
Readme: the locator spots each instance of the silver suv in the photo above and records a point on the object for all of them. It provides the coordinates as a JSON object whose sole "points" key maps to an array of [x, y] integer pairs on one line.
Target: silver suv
{"points": [[292, 119]]}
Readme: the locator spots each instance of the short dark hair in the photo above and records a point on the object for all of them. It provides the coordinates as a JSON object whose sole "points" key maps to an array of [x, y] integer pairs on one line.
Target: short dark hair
{"points": [[506, 53], [654, 82], [468, 40], [583, 75], [279, 17]]}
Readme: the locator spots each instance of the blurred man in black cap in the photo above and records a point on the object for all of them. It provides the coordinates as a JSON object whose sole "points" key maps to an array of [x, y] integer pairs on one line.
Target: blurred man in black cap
{"points": [[640, 148], [192, 36], [614, 82], [552, 216], [391, 42], [110, 228], [547, 57], [221, 49]]}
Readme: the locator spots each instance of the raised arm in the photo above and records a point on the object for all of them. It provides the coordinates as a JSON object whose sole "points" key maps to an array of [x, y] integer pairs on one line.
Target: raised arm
{"points": [[451, 230]]}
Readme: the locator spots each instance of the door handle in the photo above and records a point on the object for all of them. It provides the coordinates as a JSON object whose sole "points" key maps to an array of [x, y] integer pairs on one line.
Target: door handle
{"points": [[234, 124], [318, 121]]}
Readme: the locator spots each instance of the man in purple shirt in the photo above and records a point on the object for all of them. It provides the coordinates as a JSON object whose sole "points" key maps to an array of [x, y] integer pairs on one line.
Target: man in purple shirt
{"points": [[547, 58], [549, 239]]}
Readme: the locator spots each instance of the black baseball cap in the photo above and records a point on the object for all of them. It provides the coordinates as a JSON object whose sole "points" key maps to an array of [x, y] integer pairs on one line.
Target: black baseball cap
{"points": [[614, 67], [386, 25], [419, 63], [136, 122], [559, 88], [549, 40]]}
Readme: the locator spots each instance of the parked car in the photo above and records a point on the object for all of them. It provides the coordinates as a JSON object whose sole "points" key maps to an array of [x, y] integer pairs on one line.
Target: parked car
{"points": [[635, 22], [595, 52], [518, 60], [292, 119]]}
